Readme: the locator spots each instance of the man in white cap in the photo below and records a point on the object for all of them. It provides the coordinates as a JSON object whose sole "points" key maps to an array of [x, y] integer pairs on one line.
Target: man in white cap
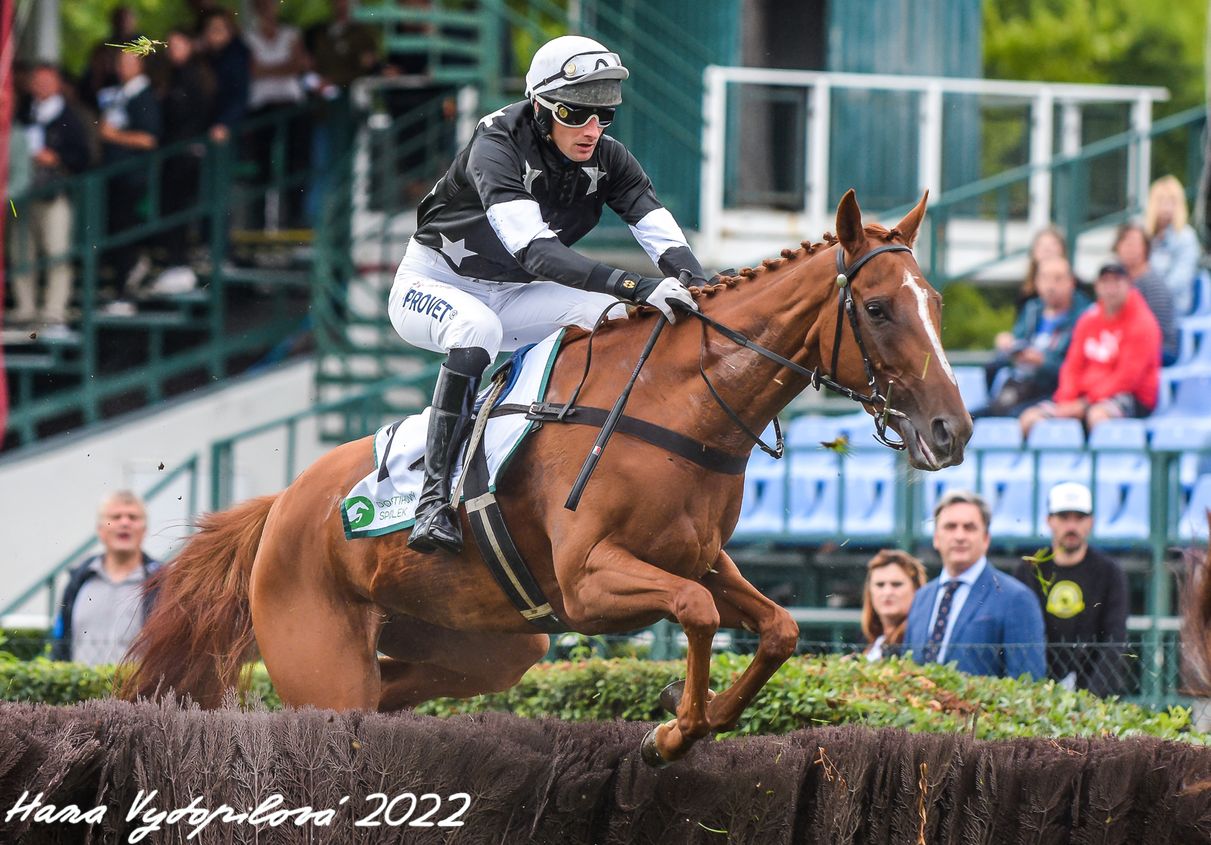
{"points": [[1083, 594], [491, 268]]}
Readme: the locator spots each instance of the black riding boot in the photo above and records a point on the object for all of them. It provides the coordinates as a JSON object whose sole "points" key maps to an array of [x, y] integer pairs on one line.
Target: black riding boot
{"points": [[437, 525]]}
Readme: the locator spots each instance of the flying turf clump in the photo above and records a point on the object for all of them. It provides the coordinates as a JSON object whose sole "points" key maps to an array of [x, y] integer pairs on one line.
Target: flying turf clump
{"points": [[141, 46]]}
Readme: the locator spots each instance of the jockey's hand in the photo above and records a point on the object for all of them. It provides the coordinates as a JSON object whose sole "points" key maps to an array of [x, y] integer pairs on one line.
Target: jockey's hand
{"points": [[669, 294]]}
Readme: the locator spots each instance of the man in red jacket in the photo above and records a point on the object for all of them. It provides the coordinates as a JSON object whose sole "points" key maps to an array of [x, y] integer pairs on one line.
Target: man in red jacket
{"points": [[1112, 368]]}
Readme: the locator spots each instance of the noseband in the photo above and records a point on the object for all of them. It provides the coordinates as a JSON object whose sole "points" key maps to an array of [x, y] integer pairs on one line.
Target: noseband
{"points": [[874, 399]]}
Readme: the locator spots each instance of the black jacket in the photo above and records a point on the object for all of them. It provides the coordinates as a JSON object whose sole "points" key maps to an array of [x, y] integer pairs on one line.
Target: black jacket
{"points": [[68, 138], [512, 204], [61, 646]]}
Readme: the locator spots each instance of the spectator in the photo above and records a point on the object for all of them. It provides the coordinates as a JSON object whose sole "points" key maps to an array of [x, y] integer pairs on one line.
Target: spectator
{"points": [[1027, 366], [892, 579], [343, 49], [100, 72], [131, 125], [57, 144], [1174, 248], [186, 89], [1083, 594], [228, 59], [1048, 242], [1131, 248], [104, 605], [279, 61], [973, 615], [1112, 369]]}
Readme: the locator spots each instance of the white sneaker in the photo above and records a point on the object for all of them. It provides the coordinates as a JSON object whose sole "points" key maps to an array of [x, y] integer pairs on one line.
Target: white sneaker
{"points": [[175, 280], [120, 308]]}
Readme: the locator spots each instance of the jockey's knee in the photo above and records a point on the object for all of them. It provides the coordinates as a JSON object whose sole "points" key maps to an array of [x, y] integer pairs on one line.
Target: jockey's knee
{"points": [[485, 334]]}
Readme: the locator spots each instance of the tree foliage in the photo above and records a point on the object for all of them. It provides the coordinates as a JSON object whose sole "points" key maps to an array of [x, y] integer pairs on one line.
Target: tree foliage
{"points": [[86, 24], [1121, 42]]}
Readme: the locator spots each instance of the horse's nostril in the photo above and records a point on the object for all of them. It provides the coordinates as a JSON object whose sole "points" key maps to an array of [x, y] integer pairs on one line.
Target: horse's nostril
{"points": [[942, 436]]}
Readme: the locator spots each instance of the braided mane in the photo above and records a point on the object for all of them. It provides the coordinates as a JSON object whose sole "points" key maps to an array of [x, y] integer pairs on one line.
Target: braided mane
{"points": [[806, 249]]}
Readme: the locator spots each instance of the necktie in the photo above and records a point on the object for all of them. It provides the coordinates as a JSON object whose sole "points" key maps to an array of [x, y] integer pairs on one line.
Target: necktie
{"points": [[939, 626]]}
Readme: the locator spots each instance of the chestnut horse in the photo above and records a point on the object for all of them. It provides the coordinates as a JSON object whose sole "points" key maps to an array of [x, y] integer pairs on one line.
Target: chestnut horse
{"points": [[371, 624]]}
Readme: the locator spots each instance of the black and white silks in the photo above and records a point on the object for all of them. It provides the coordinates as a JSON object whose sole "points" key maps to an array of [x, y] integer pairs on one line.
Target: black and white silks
{"points": [[511, 205]]}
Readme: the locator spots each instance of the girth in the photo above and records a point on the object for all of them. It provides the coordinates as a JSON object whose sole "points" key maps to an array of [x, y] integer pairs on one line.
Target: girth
{"points": [[701, 454]]}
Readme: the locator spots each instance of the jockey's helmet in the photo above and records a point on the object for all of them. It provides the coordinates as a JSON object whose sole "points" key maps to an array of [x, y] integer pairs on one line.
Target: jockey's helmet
{"points": [[576, 71]]}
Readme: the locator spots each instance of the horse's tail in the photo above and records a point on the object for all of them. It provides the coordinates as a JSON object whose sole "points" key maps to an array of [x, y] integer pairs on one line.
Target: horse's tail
{"points": [[199, 633]]}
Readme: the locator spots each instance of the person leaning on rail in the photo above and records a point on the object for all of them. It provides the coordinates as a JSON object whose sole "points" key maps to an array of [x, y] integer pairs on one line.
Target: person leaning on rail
{"points": [[490, 267]]}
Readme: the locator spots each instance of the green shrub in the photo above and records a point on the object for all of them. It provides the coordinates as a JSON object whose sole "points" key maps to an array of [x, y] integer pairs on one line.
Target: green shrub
{"points": [[969, 320], [25, 643], [811, 691], [806, 692]]}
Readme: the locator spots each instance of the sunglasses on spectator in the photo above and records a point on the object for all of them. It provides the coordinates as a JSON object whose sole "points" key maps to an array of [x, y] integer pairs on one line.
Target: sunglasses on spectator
{"points": [[575, 117]]}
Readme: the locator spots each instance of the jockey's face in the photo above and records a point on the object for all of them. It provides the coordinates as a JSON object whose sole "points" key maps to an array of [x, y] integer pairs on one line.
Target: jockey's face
{"points": [[579, 142]]}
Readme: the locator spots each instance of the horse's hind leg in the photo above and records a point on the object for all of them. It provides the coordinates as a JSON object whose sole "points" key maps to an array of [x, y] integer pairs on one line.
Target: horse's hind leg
{"points": [[317, 641], [428, 661], [741, 605]]}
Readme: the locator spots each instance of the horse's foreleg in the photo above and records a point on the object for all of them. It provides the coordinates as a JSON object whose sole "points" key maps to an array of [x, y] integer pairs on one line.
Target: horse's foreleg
{"points": [[741, 605], [611, 580]]}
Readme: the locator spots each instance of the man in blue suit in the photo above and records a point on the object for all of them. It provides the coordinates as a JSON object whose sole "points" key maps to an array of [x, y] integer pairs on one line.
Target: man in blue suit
{"points": [[985, 621]]}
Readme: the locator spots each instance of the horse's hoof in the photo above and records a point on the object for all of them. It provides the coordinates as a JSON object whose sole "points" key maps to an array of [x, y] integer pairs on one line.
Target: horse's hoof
{"points": [[670, 696], [649, 751]]}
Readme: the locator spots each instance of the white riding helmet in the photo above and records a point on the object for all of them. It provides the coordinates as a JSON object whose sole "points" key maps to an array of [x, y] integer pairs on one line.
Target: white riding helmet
{"points": [[578, 71]]}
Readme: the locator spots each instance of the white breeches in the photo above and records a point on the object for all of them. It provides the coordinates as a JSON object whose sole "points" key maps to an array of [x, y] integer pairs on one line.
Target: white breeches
{"points": [[434, 308]]}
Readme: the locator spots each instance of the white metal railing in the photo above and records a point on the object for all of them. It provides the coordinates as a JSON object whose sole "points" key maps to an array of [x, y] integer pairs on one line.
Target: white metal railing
{"points": [[718, 222]]}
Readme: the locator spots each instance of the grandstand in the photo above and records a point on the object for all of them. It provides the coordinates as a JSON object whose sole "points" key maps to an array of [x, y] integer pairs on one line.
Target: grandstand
{"points": [[808, 521]]}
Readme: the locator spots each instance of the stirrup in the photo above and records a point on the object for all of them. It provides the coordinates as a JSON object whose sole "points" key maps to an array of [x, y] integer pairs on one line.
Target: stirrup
{"points": [[437, 529]]}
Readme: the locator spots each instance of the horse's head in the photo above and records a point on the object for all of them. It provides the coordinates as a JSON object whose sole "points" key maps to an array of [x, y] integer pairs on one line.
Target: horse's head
{"points": [[898, 319]]}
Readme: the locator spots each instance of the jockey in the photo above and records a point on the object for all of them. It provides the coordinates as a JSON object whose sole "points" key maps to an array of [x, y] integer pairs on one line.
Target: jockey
{"points": [[490, 267]]}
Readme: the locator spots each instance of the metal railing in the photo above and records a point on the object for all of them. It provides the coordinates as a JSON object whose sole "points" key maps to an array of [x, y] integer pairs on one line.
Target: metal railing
{"points": [[174, 335], [808, 168]]}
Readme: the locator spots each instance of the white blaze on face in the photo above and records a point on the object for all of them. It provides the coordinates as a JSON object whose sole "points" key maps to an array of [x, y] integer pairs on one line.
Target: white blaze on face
{"points": [[923, 311]]}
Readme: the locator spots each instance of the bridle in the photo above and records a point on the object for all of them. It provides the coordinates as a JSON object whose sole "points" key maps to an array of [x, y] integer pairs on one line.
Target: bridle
{"points": [[874, 398]]}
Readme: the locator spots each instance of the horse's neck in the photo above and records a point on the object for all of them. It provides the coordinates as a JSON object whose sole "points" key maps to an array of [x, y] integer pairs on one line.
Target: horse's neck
{"points": [[778, 309]]}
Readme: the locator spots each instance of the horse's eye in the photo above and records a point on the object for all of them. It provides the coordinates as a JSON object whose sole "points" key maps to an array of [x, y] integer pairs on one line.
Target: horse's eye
{"points": [[875, 310]]}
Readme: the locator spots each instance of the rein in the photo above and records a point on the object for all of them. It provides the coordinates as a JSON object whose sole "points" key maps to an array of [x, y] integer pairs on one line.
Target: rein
{"points": [[845, 308]]}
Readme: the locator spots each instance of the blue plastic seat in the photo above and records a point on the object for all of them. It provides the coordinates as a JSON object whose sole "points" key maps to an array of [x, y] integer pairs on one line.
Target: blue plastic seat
{"points": [[763, 508], [1192, 396], [1195, 341], [1056, 434], [1202, 292], [1122, 490], [1192, 525], [936, 484], [810, 430], [996, 432], [973, 386], [814, 485]]}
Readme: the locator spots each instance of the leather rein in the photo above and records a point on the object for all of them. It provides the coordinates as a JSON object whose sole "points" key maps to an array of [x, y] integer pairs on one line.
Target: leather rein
{"points": [[874, 398], [712, 458]]}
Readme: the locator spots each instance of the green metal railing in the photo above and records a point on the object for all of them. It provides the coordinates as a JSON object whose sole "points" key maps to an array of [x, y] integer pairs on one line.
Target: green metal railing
{"points": [[172, 335], [1073, 178]]}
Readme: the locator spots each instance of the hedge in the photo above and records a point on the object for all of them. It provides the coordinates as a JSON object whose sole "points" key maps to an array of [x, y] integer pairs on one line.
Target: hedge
{"points": [[806, 692]]}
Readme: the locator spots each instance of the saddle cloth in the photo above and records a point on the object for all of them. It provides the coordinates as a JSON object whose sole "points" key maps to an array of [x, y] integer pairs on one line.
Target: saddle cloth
{"points": [[385, 500]]}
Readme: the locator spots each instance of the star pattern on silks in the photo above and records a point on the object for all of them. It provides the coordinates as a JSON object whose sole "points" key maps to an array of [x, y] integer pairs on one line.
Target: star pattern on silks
{"points": [[594, 173], [487, 119], [530, 175], [456, 251]]}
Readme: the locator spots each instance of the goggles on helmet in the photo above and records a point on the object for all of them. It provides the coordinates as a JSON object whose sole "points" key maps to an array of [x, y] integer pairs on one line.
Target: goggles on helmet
{"points": [[575, 117]]}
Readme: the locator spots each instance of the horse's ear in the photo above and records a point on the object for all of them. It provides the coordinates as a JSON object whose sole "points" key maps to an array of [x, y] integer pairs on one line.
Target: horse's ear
{"points": [[849, 225], [912, 220]]}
